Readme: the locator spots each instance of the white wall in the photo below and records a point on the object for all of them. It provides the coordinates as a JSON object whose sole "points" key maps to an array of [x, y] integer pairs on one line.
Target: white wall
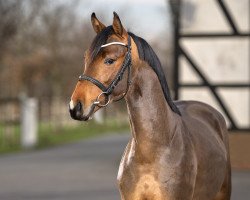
{"points": [[222, 59]]}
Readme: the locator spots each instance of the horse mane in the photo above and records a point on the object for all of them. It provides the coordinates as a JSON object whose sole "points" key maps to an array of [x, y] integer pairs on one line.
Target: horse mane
{"points": [[146, 53]]}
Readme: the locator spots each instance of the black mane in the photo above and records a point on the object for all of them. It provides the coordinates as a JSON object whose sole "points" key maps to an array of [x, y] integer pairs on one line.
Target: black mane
{"points": [[146, 53]]}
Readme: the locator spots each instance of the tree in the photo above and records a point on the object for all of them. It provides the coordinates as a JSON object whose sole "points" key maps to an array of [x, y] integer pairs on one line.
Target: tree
{"points": [[43, 48], [9, 18]]}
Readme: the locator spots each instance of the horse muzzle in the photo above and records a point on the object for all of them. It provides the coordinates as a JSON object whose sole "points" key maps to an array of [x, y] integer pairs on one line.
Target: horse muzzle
{"points": [[76, 111]]}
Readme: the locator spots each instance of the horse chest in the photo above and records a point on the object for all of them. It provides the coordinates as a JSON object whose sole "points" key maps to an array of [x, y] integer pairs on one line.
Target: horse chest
{"points": [[139, 183], [141, 187], [146, 188]]}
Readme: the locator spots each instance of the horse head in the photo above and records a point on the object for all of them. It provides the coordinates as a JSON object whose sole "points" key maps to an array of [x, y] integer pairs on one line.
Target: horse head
{"points": [[106, 75]]}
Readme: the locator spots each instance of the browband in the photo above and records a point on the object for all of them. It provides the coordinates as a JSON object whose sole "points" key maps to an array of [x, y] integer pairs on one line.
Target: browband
{"points": [[112, 43]]}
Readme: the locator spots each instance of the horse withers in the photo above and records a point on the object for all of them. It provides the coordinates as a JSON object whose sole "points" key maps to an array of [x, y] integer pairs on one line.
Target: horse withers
{"points": [[178, 150]]}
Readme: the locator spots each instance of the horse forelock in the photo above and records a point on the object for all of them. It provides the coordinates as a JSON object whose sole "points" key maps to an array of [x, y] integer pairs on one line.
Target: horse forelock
{"points": [[100, 39]]}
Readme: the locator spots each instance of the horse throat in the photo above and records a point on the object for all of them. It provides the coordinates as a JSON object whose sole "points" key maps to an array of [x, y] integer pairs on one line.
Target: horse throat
{"points": [[153, 123]]}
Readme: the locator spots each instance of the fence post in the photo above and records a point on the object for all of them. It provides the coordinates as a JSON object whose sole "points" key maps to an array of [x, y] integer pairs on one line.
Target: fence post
{"points": [[29, 122], [99, 116]]}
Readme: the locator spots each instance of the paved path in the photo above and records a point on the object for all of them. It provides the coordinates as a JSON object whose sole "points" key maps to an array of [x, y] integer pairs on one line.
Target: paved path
{"points": [[84, 170]]}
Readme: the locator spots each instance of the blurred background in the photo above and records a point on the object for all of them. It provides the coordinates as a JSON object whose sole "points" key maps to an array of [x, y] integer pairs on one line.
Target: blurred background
{"points": [[204, 48]]}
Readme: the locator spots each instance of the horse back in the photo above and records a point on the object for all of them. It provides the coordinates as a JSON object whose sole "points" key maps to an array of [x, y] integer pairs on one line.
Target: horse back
{"points": [[201, 118]]}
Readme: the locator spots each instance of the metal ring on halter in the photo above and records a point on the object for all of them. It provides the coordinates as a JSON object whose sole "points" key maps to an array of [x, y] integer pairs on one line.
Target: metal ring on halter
{"points": [[97, 102]]}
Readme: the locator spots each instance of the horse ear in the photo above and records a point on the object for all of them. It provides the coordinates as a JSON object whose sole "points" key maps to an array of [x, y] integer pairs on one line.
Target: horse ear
{"points": [[97, 25], [117, 25]]}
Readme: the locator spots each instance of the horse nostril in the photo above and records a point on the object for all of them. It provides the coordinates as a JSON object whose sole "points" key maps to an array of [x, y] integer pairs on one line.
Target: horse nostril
{"points": [[78, 106], [76, 111]]}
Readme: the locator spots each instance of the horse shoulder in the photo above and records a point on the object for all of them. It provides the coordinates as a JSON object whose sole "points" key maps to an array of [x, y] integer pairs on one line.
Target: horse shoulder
{"points": [[203, 115]]}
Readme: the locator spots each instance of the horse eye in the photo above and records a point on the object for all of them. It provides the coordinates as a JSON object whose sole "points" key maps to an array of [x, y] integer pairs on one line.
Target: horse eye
{"points": [[109, 61]]}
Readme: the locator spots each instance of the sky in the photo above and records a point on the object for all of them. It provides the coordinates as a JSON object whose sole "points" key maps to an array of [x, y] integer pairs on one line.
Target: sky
{"points": [[146, 18]]}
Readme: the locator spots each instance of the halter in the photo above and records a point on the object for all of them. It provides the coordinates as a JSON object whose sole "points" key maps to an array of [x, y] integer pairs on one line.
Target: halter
{"points": [[107, 91]]}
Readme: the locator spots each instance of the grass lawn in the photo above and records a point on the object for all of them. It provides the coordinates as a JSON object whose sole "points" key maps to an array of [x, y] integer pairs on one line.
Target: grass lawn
{"points": [[50, 136]]}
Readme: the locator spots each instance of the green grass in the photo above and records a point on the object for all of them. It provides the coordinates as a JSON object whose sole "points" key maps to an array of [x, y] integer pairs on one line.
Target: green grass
{"points": [[9, 138], [49, 136]]}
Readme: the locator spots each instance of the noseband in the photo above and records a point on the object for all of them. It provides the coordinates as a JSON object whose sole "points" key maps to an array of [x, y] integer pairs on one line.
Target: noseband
{"points": [[107, 91]]}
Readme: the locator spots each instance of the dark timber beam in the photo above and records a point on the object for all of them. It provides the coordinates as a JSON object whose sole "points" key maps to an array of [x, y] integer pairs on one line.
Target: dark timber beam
{"points": [[214, 35], [175, 7], [220, 85], [228, 15]]}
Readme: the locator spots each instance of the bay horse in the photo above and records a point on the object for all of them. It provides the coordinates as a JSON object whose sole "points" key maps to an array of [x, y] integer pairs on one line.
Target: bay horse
{"points": [[178, 149]]}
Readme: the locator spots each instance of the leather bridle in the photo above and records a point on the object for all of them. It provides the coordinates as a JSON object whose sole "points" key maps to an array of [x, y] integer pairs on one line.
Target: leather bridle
{"points": [[107, 91]]}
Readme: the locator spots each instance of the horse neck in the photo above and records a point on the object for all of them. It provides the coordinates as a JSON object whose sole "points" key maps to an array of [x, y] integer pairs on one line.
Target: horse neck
{"points": [[153, 123]]}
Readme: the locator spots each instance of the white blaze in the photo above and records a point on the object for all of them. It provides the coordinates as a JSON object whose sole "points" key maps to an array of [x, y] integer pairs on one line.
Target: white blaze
{"points": [[71, 105]]}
